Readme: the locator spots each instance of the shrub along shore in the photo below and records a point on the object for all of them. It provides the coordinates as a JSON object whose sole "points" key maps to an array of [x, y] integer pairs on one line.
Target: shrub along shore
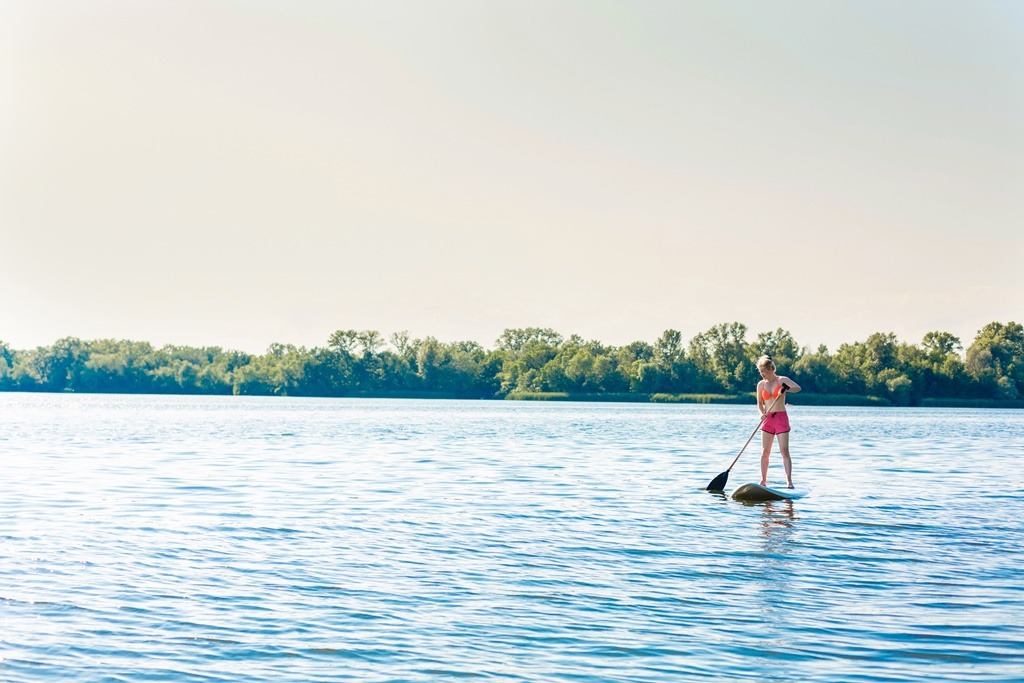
{"points": [[716, 366], [804, 398]]}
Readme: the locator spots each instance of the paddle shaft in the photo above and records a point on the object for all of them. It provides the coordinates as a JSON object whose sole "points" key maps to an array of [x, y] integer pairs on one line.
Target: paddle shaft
{"points": [[763, 418]]}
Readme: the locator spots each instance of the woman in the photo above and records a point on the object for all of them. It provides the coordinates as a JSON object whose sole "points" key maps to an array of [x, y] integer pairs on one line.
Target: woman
{"points": [[772, 404]]}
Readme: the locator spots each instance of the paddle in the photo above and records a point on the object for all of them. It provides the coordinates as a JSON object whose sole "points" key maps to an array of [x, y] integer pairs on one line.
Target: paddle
{"points": [[718, 483]]}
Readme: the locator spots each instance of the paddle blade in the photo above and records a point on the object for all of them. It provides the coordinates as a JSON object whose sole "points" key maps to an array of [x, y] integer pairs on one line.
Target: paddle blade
{"points": [[718, 483]]}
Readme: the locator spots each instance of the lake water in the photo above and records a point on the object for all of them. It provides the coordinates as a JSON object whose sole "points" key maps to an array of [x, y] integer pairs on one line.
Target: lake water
{"points": [[247, 539]]}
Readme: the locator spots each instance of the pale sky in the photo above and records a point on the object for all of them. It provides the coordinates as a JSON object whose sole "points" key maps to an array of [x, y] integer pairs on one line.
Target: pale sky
{"points": [[241, 173]]}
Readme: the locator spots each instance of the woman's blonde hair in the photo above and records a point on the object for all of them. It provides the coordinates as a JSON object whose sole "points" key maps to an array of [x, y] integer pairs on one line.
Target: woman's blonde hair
{"points": [[765, 361]]}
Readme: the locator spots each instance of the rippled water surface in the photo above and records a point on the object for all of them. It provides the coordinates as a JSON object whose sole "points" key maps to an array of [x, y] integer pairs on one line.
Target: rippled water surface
{"points": [[239, 539]]}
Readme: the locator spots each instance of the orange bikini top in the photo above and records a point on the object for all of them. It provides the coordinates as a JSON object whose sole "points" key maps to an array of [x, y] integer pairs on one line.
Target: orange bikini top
{"points": [[766, 394]]}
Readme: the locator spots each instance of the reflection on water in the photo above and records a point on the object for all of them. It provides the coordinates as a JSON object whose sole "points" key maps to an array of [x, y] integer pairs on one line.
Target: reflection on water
{"points": [[778, 519], [183, 539]]}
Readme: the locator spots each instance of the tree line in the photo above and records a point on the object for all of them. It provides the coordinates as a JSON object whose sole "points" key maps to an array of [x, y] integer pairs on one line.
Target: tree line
{"points": [[720, 360]]}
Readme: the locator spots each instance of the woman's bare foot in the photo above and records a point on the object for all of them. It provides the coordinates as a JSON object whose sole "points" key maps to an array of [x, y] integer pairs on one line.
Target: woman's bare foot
{"points": [[764, 483], [790, 485]]}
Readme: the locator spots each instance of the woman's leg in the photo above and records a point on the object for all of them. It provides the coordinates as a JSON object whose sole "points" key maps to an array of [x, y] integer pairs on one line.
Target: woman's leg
{"points": [[787, 463], [766, 450]]}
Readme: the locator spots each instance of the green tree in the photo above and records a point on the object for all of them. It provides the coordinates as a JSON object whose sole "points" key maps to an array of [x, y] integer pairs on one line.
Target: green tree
{"points": [[583, 371], [940, 344], [856, 367], [997, 352], [780, 345], [57, 366], [371, 341], [1006, 389], [8, 360], [813, 371], [278, 372], [527, 352], [344, 341], [898, 387], [328, 372], [671, 370], [402, 343], [515, 340], [722, 354], [454, 368], [628, 361], [431, 359]]}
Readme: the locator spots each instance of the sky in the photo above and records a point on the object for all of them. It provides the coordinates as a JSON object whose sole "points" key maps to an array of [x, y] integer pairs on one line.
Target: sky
{"points": [[240, 173]]}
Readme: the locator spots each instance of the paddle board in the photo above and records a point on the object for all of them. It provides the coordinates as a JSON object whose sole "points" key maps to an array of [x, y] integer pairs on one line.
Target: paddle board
{"points": [[757, 493]]}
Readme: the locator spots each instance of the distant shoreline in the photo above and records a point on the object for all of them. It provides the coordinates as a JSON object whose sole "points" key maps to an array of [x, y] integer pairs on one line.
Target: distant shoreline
{"points": [[715, 366], [804, 399]]}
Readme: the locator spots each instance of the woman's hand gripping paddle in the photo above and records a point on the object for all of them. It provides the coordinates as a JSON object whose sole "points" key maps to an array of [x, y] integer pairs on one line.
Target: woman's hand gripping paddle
{"points": [[718, 483]]}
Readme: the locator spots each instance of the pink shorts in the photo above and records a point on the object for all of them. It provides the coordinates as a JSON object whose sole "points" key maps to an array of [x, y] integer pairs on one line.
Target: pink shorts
{"points": [[777, 423]]}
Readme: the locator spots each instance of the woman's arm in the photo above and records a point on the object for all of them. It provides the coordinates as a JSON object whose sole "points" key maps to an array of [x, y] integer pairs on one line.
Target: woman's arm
{"points": [[760, 401], [793, 386]]}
